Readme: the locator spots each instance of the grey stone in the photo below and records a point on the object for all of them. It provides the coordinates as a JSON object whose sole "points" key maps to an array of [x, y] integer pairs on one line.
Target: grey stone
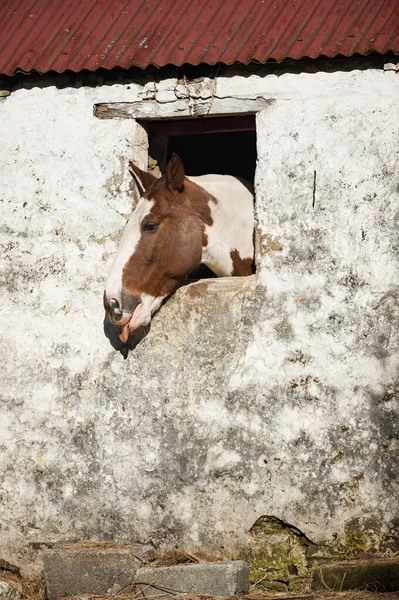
{"points": [[10, 590], [376, 575], [391, 67], [4, 93], [75, 570], [216, 579]]}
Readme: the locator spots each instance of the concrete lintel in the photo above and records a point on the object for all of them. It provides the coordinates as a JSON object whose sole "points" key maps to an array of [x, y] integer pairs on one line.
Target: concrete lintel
{"points": [[215, 579], [99, 570]]}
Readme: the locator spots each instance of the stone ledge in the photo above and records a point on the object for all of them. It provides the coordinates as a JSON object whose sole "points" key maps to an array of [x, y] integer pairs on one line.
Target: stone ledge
{"points": [[214, 579], [381, 575], [219, 285], [100, 569]]}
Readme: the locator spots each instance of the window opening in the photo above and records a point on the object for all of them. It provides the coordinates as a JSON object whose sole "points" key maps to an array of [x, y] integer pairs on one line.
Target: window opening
{"points": [[219, 145]]}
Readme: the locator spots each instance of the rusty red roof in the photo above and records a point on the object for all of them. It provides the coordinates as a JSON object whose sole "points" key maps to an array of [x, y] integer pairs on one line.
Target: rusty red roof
{"points": [[60, 35]]}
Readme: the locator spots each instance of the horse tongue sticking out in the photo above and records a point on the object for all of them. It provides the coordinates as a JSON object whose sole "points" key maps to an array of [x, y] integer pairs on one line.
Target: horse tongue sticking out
{"points": [[124, 331], [178, 223]]}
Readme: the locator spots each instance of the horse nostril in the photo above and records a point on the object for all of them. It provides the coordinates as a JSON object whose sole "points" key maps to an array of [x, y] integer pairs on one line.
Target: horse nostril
{"points": [[114, 303], [115, 309]]}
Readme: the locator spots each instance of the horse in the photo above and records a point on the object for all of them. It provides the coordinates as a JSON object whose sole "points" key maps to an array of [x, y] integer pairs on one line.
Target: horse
{"points": [[178, 224]]}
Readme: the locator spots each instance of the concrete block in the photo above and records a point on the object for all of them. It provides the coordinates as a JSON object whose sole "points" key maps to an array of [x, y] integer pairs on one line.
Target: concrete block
{"points": [[10, 590], [79, 569], [377, 575], [216, 579]]}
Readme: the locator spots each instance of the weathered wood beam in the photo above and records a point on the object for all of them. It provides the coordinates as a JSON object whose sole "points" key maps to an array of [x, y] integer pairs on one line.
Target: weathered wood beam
{"points": [[151, 109]]}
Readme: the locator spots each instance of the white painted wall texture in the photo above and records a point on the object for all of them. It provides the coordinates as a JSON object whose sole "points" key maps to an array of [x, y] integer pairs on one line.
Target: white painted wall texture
{"points": [[274, 395]]}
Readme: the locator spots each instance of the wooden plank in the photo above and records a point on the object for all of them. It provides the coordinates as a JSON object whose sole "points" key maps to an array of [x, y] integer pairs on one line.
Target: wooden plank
{"points": [[151, 109]]}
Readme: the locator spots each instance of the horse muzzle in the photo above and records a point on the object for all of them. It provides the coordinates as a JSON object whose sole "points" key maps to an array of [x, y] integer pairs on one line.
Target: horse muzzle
{"points": [[120, 311]]}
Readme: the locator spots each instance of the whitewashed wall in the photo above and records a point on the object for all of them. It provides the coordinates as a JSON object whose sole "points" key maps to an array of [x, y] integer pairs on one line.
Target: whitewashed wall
{"points": [[274, 395]]}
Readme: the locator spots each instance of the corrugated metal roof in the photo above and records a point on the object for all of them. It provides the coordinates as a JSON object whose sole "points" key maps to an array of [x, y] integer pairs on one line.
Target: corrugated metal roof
{"points": [[57, 35]]}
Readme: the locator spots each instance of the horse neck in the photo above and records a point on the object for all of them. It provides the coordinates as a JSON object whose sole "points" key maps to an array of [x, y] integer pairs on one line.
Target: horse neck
{"points": [[228, 247]]}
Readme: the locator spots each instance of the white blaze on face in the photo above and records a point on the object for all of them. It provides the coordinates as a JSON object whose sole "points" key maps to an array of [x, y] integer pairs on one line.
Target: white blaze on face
{"points": [[127, 246]]}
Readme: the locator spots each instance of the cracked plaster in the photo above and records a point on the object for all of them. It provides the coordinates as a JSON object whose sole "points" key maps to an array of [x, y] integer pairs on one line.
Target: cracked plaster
{"points": [[272, 395]]}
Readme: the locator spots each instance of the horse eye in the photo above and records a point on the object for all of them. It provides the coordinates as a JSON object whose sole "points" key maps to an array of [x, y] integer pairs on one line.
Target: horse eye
{"points": [[149, 226]]}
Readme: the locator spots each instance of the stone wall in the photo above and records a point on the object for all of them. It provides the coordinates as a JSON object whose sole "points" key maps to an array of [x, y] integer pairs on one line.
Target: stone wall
{"points": [[273, 395]]}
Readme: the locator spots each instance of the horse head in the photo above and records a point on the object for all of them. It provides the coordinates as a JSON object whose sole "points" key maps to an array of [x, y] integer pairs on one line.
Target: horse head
{"points": [[178, 223], [162, 243]]}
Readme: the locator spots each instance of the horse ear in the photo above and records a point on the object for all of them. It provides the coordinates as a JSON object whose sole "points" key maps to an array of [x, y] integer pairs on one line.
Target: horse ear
{"points": [[144, 179], [175, 173]]}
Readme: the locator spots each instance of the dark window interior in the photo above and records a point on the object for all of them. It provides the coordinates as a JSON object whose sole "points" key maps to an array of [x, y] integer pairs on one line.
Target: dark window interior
{"points": [[225, 145], [222, 145], [231, 153]]}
